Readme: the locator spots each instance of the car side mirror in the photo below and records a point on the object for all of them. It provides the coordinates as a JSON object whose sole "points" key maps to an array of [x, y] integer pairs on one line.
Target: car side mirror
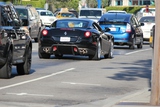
{"points": [[142, 24], [32, 18]]}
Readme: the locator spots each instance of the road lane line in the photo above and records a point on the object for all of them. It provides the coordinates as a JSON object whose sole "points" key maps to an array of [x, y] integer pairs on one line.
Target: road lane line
{"points": [[73, 83], [26, 94], [21, 83], [138, 51]]}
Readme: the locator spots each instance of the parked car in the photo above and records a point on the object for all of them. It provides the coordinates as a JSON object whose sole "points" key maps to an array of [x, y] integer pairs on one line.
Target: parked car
{"points": [[31, 20], [75, 37], [91, 13], [124, 27], [15, 43], [116, 11], [142, 12], [151, 39], [149, 22], [47, 17]]}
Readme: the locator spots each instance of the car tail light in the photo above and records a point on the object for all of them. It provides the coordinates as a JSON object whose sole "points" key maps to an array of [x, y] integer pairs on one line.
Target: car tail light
{"points": [[87, 34], [45, 32], [75, 49], [54, 48], [128, 28]]}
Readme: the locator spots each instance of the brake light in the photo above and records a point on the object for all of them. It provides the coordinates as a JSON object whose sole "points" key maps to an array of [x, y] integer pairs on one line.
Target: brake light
{"points": [[128, 28], [87, 34], [45, 32]]}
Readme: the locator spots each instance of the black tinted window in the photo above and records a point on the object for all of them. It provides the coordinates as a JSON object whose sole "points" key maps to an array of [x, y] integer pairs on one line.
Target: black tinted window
{"points": [[90, 13]]}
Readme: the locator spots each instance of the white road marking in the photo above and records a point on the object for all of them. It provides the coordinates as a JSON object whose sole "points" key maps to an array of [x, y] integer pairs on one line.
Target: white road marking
{"points": [[21, 94], [36, 79], [138, 51], [73, 83]]}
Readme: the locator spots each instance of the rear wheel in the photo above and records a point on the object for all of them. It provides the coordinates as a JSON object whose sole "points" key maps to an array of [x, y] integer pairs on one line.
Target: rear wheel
{"points": [[97, 55], [132, 46], [110, 54], [25, 67], [43, 55], [140, 45], [6, 70]]}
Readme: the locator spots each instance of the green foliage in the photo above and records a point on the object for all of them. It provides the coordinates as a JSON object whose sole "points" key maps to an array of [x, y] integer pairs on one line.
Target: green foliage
{"points": [[128, 9], [38, 3]]}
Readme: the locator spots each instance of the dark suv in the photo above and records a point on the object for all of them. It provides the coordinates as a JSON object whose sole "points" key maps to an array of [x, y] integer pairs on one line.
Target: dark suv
{"points": [[31, 20], [15, 43]]}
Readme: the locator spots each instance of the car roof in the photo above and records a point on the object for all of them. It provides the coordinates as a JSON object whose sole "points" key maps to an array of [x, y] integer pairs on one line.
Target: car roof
{"points": [[118, 11], [22, 6], [118, 14], [127, 15], [5, 3], [44, 11], [91, 9], [80, 19]]}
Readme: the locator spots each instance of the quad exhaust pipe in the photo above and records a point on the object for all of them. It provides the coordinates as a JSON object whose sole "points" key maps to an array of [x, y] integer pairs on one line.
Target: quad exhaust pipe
{"points": [[46, 49], [83, 51]]}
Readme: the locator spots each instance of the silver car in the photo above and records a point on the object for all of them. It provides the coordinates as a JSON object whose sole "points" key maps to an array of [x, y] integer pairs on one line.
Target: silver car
{"points": [[47, 17]]}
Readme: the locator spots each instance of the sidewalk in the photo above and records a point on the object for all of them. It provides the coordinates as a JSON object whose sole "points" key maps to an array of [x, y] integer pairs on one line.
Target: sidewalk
{"points": [[139, 99]]}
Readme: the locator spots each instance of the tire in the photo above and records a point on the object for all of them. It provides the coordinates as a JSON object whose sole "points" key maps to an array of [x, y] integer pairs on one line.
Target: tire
{"points": [[97, 55], [6, 70], [140, 45], [36, 39], [43, 55], [25, 67], [110, 54], [132, 46]]}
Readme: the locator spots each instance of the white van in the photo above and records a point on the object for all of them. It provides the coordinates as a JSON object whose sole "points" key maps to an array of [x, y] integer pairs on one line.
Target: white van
{"points": [[91, 13]]}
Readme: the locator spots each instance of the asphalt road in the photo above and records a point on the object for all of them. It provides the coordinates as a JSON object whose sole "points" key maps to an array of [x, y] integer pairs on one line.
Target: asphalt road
{"points": [[75, 80]]}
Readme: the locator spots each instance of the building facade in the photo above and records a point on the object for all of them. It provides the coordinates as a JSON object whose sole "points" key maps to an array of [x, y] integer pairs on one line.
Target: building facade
{"points": [[131, 2]]}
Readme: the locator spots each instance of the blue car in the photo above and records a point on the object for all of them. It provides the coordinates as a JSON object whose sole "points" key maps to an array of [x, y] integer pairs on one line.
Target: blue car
{"points": [[125, 28]]}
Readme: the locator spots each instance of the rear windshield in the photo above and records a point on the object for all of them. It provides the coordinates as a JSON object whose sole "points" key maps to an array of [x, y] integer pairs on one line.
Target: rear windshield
{"points": [[108, 19], [90, 13], [147, 19], [46, 13], [68, 15], [70, 24]]}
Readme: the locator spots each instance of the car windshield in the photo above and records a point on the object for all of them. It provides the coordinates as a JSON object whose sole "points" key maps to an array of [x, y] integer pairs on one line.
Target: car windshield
{"points": [[46, 13], [70, 24], [112, 18], [22, 13], [90, 13], [147, 19], [68, 15]]}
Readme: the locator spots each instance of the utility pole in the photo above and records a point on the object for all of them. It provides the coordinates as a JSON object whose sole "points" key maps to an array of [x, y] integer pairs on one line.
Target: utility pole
{"points": [[155, 81]]}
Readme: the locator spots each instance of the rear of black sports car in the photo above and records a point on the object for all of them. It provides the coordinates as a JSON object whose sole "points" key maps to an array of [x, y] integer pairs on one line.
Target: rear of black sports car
{"points": [[60, 41]]}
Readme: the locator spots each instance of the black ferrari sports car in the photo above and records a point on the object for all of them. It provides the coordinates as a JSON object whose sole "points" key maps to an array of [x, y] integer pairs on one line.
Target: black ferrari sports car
{"points": [[75, 37]]}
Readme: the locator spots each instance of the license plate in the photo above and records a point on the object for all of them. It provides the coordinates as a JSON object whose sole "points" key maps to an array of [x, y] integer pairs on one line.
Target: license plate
{"points": [[65, 39], [113, 29]]}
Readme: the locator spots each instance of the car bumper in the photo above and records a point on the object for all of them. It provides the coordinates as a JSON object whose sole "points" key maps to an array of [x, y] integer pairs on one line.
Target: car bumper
{"points": [[85, 49], [124, 38]]}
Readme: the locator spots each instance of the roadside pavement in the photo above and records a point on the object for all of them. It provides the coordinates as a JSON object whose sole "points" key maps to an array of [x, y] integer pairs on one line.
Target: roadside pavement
{"points": [[139, 99]]}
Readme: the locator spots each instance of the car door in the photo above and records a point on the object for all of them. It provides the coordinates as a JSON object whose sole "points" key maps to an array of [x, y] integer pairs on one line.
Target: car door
{"points": [[105, 44], [32, 24], [15, 34], [136, 29]]}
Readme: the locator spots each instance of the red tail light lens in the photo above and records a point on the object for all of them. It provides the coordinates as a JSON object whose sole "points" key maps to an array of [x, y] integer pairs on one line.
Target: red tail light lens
{"points": [[87, 34], [128, 28], [45, 32]]}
